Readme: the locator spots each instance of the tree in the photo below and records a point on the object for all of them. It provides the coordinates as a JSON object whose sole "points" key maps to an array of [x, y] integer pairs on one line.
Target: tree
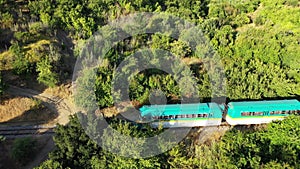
{"points": [[46, 74], [76, 150], [277, 145], [21, 65]]}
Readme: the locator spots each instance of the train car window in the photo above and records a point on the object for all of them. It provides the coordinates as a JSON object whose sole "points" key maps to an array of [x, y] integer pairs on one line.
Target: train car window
{"points": [[171, 116], [246, 114], [155, 117], [194, 115], [200, 115], [205, 115], [189, 116], [287, 112], [177, 116], [275, 112], [257, 113]]}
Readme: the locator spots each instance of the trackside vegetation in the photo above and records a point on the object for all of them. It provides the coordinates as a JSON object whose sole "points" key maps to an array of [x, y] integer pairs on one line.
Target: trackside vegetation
{"points": [[275, 146], [258, 42]]}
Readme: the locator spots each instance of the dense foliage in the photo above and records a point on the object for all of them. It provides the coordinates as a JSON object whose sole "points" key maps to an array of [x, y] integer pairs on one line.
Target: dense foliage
{"points": [[275, 146], [259, 52], [258, 42], [76, 150]]}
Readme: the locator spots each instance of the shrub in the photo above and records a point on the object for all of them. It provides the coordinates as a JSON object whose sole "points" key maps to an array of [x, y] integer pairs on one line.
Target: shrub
{"points": [[23, 149]]}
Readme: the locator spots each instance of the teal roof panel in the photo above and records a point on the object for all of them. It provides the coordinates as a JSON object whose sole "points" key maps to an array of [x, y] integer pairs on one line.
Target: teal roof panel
{"points": [[180, 109], [272, 105]]}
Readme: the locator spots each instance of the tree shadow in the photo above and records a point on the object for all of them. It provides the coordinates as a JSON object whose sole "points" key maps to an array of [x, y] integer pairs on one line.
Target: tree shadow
{"points": [[5, 40], [35, 116], [69, 60]]}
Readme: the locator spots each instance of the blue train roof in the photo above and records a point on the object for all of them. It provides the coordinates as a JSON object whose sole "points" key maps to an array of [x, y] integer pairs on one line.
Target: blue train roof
{"points": [[265, 105], [179, 109]]}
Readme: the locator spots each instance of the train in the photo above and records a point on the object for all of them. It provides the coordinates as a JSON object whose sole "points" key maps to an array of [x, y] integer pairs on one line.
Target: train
{"points": [[213, 114]]}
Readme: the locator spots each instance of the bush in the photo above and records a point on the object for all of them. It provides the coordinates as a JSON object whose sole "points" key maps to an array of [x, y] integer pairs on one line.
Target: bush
{"points": [[21, 65], [6, 20], [23, 149], [46, 75], [2, 138]]}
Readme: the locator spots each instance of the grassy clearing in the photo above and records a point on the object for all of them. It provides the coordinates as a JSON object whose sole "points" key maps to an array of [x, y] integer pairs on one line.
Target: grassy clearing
{"points": [[62, 91]]}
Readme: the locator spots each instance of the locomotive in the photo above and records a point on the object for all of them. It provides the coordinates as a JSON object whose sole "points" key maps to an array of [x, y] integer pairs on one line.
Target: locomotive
{"points": [[212, 114]]}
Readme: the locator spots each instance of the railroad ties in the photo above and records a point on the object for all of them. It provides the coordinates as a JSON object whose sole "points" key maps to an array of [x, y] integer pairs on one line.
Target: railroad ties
{"points": [[26, 131]]}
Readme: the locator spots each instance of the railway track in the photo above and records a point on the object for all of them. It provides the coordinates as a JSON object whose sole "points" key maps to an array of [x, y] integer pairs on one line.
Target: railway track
{"points": [[23, 131]]}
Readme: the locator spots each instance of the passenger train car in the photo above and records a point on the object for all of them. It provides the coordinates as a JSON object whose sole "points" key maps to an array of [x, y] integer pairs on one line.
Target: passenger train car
{"points": [[179, 115], [210, 114], [258, 112]]}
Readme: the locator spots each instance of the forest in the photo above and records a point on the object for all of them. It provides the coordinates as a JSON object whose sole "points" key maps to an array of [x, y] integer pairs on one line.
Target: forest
{"points": [[258, 42]]}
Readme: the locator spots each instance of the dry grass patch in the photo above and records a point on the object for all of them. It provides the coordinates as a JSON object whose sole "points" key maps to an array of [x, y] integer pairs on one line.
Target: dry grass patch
{"points": [[24, 109], [62, 91], [14, 107], [109, 111], [192, 60]]}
